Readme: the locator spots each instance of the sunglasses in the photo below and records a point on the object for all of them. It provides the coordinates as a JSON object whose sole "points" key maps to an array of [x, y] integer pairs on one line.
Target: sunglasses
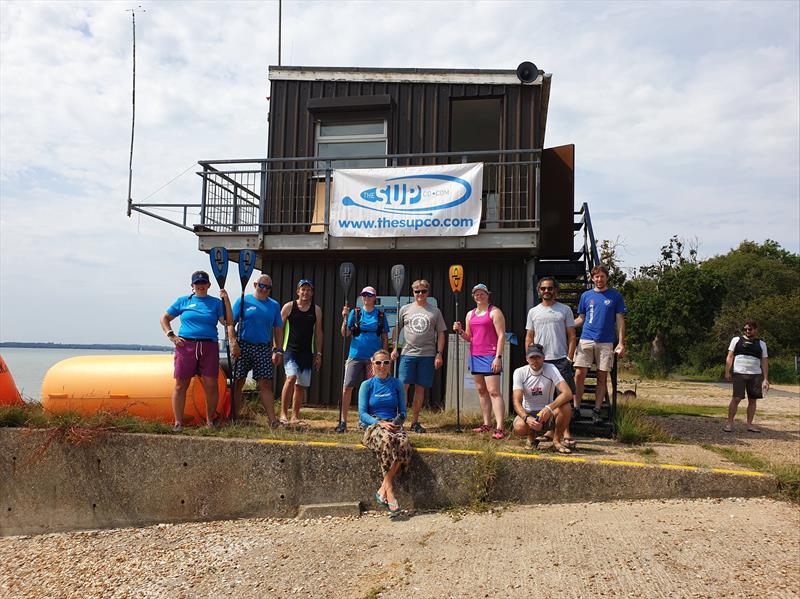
{"points": [[367, 295], [420, 291], [263, 286], [749, 328], [546, 288], [305, 282], [381, 362]]}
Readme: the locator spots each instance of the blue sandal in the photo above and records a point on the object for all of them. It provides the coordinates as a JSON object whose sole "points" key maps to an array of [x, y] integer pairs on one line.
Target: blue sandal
{"points": [[381, 501]]}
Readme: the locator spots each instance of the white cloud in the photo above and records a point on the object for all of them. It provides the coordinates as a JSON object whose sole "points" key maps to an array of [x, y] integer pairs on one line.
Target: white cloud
{"points": [[685, 118]]}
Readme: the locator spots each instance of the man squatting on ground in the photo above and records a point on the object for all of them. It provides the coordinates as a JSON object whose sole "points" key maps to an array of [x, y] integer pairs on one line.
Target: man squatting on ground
{"points": [[599, 310], [534, 388], [259, 334], [302, 346], [424, 331], [552, 325], [747, 356], [369, 332]]}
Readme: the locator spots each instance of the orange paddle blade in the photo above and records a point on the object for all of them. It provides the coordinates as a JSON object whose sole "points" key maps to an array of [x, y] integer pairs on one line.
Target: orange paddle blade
{"points": [[456, 277]]}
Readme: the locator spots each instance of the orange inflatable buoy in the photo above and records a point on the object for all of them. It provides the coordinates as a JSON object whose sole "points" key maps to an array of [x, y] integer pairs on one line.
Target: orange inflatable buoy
{"points": [[135, 385], [9, 394]]}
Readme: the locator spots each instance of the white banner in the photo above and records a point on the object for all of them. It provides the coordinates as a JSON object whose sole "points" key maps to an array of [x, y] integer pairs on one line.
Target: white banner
{"points": [[415, 201]]}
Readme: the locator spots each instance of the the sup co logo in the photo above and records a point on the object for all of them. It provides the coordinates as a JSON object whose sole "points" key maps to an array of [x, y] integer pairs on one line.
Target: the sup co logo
{"points": [[413, 194]]}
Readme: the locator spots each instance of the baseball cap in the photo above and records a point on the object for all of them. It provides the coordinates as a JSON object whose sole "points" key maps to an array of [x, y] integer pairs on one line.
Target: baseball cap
{"points": [[480, 287], [535, 350], [308, 282], [200, 276], [369, 289]]}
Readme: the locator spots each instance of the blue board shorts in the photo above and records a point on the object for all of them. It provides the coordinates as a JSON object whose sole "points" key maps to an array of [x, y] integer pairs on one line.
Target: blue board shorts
{"points": [[416, 370]]}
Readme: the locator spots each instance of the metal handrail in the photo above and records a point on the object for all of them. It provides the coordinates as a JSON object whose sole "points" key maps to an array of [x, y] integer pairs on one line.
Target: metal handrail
{"points": [[275, 194]]}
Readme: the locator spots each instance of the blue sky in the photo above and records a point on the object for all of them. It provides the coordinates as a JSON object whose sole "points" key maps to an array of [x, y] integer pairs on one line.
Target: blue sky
{"points": [[684, 116]]}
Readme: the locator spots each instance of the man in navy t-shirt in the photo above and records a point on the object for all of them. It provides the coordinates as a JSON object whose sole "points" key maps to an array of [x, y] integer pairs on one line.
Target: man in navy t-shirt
{"points": [[601, 310]]}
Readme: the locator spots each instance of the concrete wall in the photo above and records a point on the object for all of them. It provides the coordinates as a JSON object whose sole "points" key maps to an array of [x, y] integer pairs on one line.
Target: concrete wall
{"points": [[129, 480]]}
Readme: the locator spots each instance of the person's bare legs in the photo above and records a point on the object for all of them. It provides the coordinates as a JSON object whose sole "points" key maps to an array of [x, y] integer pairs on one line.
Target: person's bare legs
{"points": [[179, 399], [419, 400], [347, 396], [580, 380], [732, 408], [212, 397], [496, 399], [751, 412], [483, 396], [236, 400], [563, 415], [267, 398], [600, 389], [286, 394], [387, 487], [297, 403]]}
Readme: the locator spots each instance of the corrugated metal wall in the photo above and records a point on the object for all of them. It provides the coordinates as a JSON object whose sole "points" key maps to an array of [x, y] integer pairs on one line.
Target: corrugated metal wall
{"points": [[419, 119], [505, 276]]}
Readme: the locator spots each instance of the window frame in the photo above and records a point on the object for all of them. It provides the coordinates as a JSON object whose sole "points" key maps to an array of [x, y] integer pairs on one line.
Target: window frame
{"points": [[348, 139]]}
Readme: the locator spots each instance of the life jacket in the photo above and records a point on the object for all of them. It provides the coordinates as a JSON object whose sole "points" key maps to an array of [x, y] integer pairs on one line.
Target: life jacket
{"points": [[748, 347], [355, 330]]}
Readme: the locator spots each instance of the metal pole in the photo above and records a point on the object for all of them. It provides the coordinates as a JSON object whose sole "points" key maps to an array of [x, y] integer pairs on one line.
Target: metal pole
{"points": [[280, 10]]}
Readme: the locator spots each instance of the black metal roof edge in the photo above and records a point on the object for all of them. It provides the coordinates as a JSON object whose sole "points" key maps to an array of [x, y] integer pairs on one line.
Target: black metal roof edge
{"points": [[415, 71]]}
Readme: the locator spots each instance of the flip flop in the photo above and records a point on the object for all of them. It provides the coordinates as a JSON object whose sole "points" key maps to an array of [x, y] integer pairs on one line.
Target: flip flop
{"points": [[381, 501], [283, 421], [726, 429], [752, 429], [569, 443], [532, 443], [298, 424], [394, 508], [563, 449]]}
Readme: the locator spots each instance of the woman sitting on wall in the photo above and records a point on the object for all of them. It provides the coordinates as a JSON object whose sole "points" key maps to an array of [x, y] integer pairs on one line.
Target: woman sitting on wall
{"points": [[382, 410]]}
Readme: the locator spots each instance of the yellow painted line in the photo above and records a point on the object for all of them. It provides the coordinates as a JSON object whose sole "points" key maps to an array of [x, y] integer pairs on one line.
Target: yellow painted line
{"points": [[623, 463], [527, 456], [677, 467], [743, 472]]}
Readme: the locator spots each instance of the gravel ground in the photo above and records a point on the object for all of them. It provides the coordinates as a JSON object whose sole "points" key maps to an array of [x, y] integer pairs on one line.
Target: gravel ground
{"points": [[777, 415], [702, 548]]}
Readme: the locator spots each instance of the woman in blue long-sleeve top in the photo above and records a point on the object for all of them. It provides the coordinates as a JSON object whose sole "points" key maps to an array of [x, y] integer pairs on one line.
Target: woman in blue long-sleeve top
{"points": [[382, 410]]}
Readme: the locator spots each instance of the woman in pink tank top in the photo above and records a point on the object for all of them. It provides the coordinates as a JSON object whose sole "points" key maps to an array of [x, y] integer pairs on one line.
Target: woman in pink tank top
{"points": [[486, 333]]}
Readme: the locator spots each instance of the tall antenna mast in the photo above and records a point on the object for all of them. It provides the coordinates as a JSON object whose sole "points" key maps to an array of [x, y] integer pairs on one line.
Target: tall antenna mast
{"points": [[133, 104], [280, 6]]}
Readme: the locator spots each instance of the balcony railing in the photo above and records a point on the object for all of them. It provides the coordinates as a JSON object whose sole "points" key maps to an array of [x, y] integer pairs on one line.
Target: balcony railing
{"points": [[292, 195]]}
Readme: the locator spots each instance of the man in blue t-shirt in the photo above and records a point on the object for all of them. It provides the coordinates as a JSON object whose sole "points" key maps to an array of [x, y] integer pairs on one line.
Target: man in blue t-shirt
{"points": [[600, 311], [259, 333], [368, 332]]}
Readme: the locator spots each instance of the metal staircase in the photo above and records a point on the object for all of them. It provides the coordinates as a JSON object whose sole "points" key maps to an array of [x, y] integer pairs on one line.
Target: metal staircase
{"points": [[573, 276]]}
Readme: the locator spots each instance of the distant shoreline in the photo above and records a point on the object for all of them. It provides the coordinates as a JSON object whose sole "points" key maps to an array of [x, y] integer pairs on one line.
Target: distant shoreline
{"points": [[114, 346]]}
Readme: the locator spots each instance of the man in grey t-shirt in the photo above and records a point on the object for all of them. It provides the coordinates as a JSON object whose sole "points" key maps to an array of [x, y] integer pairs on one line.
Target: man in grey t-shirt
{"points": [[552, 325], [424, 331]]}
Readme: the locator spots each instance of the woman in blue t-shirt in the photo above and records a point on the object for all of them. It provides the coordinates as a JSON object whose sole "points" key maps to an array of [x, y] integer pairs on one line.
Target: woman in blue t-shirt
{"points": [[382, 409], [196, 346]]}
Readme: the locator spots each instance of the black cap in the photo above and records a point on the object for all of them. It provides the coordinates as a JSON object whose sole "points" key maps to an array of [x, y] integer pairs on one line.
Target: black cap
{"points": [[534, 350]]}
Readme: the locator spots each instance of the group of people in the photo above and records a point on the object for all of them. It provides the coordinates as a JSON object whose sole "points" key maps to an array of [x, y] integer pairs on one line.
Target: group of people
{"points": [[547, 391]]}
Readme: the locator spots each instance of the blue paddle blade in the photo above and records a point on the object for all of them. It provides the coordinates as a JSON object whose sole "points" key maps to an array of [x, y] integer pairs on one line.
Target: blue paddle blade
{"points": [[219, 264], [247, 263]]}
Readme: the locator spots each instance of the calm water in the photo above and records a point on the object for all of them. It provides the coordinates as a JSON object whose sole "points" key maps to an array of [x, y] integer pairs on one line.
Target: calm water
{"points": [[29, 365]]}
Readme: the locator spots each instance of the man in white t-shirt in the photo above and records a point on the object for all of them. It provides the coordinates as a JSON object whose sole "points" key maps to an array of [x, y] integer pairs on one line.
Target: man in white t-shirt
{"points": [[542, 401], [747, 357]]}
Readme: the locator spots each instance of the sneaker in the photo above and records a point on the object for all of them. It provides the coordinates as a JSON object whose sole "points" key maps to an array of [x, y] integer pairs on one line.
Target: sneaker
{"points": [[418, 428], [341, 427], [483, 428], [361, 426]]}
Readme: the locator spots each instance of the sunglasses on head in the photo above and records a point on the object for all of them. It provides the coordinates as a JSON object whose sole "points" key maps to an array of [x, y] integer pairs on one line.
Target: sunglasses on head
{"points": [[420, 291], [381, 362], [264, 286]]}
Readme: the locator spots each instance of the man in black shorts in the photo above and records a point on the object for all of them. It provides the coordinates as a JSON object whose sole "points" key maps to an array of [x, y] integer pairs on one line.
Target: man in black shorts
{"points": [[747, 357]]}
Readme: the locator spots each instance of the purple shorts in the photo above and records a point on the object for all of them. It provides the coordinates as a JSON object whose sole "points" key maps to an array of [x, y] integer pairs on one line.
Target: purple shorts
{"points": [[196, 357]]}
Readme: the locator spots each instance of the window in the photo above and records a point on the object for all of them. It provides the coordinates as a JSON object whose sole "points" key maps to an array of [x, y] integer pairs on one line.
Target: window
{"points": [[344, 140]]}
